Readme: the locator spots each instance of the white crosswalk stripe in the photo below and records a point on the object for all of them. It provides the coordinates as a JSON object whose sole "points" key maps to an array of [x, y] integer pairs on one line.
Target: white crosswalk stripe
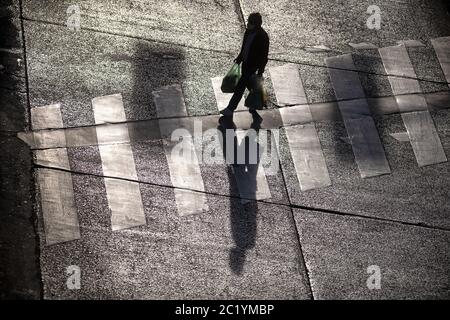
{"points": [[306, 152], [361, 129], [222, 99], [47, 117], [303, 141], [124, 197], [113, 137], [287, 85], [250, 175], [362, 45], [250, 179], [442, 49], [183, 164], [422, 132], [56, 187], [411, 43]]}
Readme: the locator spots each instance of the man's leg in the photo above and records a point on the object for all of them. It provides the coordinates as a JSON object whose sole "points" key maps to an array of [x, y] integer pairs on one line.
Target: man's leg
{"points": [[250, 85], [239, 91], [243, 82]]}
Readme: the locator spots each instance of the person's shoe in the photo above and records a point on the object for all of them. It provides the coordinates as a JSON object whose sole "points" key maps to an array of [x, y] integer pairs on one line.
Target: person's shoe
{"points": [[226, 123], [255, 114], [227, 112]]}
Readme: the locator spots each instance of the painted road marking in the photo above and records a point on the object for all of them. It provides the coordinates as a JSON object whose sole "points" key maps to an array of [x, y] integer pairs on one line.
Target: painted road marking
{"points": [[46, 117], [223, 98], [411, 43], [124, 197], [145, 130], [316, 49], [287, 85], [303, 140], [442, 49], [52, 158], [184, 166], [50, 117], [250, 179], [306, 151], [362, 46], [116, 161], [170, 102], [250, 175], [56, 187], [58, 206], [400, 136], [422, 132], [367, 148], [125, 202]]}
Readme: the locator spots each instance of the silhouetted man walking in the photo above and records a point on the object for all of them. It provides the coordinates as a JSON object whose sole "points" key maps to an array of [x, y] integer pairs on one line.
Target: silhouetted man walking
{"points": [[253, 55]]}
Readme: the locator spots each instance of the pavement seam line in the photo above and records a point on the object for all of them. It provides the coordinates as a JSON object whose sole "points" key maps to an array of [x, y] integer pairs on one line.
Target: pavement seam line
{"points": [[241, 11], [33, 181], [232, 53], [297, 235], [327, 211]]}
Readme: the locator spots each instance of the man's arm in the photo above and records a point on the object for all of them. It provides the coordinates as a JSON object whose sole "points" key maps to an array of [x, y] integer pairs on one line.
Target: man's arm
{"points": [[240, 57]]}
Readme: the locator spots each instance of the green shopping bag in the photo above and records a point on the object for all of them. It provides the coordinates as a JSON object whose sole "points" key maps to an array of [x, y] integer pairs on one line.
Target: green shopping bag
{"points": [[257, 97], [230, 81]]}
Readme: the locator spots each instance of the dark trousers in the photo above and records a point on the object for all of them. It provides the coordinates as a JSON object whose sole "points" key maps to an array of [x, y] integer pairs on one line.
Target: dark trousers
{"points": [[244, 82]]}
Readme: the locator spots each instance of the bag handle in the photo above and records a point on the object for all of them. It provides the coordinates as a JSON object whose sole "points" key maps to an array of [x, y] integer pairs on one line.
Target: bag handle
{"points": [[235, 68]]}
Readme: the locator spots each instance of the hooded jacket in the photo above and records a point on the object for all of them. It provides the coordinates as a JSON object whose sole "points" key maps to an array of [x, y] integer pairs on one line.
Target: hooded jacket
{"points": [[258, 53]]}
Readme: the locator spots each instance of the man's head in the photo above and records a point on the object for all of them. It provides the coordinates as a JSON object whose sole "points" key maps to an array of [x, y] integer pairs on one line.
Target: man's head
{"points": [[254, 20]]}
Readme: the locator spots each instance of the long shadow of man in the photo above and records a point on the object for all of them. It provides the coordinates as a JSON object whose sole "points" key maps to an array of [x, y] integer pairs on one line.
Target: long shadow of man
{"points": [[242, 212]]}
